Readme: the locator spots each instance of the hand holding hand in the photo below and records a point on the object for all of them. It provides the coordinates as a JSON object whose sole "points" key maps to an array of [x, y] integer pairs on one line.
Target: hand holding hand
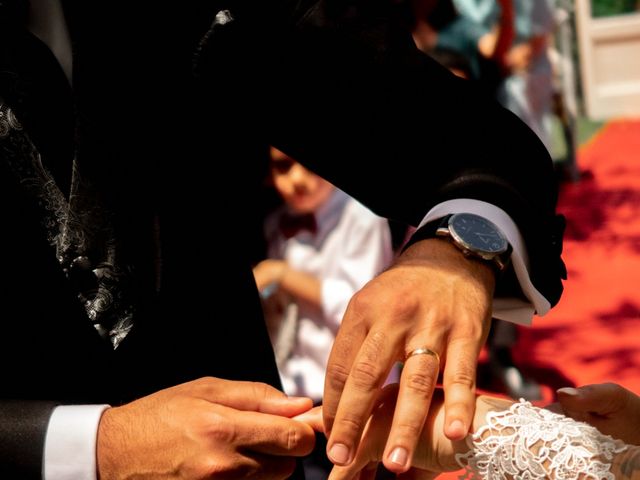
{"points": [[434, 453], [609, 407], [432, 297], [204, 428]]}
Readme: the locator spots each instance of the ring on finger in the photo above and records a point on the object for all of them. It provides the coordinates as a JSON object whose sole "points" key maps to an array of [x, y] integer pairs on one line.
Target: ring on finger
{"points": [[422, 351]]}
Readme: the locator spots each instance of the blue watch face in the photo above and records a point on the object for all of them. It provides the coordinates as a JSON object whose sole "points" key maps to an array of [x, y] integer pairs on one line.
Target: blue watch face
{"points": [[477, 233]]}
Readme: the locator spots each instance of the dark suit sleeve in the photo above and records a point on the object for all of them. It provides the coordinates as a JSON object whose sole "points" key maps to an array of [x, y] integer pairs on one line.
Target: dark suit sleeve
{"points": [[23, 427], [343, 89]]}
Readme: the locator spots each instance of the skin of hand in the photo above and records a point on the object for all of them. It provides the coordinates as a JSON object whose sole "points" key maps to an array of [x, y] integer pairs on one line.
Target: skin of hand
{"points": [[609, 407], [434, 454], [435, 297], [204, 429], [269, 271]]}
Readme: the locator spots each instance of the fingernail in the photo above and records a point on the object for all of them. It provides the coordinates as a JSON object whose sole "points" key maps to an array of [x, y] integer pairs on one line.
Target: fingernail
{"points": [[457, 428], [339, 454], [399, 456], [574, 392]]}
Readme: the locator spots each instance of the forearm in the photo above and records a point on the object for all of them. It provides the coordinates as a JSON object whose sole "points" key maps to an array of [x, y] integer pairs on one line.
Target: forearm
{"points": [[303, 286], [626, 465]]}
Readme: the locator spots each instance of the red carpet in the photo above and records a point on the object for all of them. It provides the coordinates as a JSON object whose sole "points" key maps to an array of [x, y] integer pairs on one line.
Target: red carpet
{"points": [[593, 334]]}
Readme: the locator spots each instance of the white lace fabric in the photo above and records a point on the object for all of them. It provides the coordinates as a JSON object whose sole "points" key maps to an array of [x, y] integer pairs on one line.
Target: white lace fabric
{"points": [[527, 443]]}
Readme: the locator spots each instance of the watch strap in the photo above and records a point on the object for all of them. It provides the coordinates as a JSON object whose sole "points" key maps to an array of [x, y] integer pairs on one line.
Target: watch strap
{"points": [[428, 230]]}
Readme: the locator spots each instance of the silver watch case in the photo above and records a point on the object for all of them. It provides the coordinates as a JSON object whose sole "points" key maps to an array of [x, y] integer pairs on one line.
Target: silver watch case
{"points": [[477, 237]]}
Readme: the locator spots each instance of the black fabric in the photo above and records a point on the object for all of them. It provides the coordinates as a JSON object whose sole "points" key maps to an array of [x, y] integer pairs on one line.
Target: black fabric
{"points": [[166, 125], [21, 445]]}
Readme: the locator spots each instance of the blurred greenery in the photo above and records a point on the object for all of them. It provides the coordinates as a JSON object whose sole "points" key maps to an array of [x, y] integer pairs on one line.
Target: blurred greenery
{"points": [[605, 8]]}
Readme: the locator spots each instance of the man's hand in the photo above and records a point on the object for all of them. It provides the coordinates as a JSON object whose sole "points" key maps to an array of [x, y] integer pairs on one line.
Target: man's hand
{"points": [[434, 453], [609, 407], [432, 297], [207, 428]]}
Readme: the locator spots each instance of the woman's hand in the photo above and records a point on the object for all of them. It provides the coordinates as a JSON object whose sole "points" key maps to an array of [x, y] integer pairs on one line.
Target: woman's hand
{"points": [[609, 407]]}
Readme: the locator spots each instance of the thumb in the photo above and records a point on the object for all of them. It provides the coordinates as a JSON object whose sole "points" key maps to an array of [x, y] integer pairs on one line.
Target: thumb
{"points": [[601, 399], [251, 396]]}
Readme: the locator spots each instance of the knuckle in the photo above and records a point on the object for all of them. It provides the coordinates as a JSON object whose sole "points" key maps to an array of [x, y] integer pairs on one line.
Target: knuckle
{"points": [[420, 384], [350, 425], [410, 430], [404, 305], [469, 331], [374, 345], [362, 300], [336, 376], [221, 430], [293, 439], [365, 375], [262, 391], [464, 378]]}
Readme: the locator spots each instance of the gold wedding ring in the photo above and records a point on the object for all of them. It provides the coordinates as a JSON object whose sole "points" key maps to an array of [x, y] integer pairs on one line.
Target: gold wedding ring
{"points": [[422, 351]]}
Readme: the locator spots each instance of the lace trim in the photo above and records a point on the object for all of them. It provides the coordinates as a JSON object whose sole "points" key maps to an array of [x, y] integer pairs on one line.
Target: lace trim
{"points": [[527, 442]]}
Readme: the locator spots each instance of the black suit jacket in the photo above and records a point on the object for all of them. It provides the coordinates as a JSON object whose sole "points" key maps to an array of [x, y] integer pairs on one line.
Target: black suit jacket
{"points": [[168, 116]]}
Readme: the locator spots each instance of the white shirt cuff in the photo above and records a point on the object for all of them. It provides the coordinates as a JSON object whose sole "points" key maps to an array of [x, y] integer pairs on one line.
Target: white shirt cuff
{"points": [[70, 444], [511, 309]]}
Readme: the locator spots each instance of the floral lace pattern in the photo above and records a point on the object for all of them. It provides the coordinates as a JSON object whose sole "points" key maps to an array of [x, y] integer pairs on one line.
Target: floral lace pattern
{"points": [[528, 443]]}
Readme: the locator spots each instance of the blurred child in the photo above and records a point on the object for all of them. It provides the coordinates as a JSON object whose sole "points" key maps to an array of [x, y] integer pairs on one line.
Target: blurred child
{"points": [[322, 247]]}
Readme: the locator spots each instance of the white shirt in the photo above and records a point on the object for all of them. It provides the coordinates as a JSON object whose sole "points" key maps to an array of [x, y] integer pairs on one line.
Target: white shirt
{"points": [[350, 247]]}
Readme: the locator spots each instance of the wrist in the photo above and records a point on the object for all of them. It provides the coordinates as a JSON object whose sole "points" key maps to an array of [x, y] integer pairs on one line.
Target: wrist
{"points": [[443, 254], [104, 451], [280, 272]]}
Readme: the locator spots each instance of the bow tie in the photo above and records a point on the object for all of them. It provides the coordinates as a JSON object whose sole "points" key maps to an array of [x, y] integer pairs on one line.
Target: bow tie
{"points": [[291, 225]]}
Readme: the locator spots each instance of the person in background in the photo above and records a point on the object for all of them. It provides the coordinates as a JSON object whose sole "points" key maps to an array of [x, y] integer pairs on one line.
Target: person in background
{"points": [[323, 246], [437, 25], [527, 86]]}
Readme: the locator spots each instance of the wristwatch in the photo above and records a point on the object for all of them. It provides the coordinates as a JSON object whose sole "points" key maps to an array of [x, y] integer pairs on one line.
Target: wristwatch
{"points": [[476, 237]]}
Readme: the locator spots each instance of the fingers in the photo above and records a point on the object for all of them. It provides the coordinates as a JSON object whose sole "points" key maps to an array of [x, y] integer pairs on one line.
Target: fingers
{"points": [[345, 348], [267, 434], [459, 383], [368, 372], [373, 439], [601, 399], [313, 418], [417, 383], [250, 396]]}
